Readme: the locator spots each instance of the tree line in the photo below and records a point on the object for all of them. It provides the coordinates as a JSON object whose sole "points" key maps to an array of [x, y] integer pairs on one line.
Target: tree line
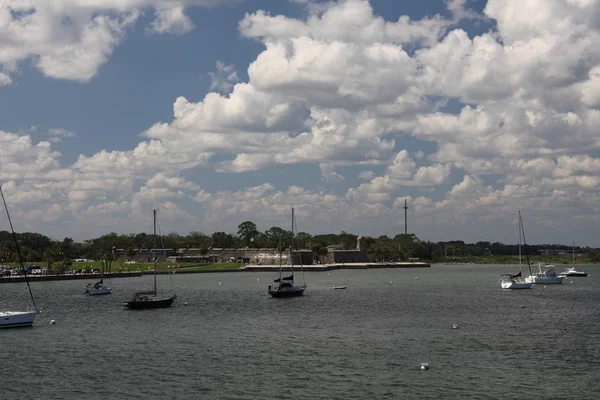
{"points": [[36, 247]]}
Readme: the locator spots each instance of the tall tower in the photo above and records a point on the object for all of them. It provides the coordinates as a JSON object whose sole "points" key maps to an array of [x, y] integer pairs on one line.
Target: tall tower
{"points": [[405, 219]]}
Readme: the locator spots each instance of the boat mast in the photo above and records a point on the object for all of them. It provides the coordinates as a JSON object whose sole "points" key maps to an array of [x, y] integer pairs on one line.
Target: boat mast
{"points": [[292, 246], [154, 257], [525, 243], [14, 235], [280, 259], [573, 255], [520, 264]]}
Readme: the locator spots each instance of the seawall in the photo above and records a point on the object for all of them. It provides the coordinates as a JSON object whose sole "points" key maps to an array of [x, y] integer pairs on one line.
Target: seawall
{"points": [[66, 277]]}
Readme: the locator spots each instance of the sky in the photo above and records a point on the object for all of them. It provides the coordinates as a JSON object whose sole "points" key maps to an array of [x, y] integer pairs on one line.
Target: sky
{"points": [[221, 111]]}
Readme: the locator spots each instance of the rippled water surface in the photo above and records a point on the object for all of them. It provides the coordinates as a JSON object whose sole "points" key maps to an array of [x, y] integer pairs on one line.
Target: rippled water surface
{"points": [[232, 341]]}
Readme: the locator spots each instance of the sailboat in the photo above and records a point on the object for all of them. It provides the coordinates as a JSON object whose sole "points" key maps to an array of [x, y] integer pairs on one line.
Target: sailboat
{"points": [[571, 272], [284, 286], [98, 288], [515, 281], [150, 298], [17, 319]]}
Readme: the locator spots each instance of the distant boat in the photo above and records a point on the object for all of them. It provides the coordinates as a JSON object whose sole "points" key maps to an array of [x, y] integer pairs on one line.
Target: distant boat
{"points": [[284, 286], [547, 276], [571, 272], [339, 286], [515, 281], [150, 298], [17, 319], [98, 288]]}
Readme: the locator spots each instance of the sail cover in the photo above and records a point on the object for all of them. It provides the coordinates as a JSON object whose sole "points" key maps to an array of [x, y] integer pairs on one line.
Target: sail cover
{"points": [[285, 278], [517, 275]]}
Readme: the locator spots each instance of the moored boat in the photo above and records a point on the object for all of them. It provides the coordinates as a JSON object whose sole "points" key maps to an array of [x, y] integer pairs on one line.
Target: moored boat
{"points": [[150, 298], [284, 286], [547, 276], [17, 319]]}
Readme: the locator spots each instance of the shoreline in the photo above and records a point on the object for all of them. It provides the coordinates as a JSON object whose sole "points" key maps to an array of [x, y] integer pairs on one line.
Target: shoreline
{"points": [[245, 268]]}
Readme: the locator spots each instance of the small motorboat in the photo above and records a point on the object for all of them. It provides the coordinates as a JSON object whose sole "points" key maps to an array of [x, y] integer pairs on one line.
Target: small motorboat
{"points": [[339, 286]]}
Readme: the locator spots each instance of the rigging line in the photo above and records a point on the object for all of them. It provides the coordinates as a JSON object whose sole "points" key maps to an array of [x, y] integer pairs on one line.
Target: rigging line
{"points": [[18, 248], [525, 244], [162, 243], [299, 253]]}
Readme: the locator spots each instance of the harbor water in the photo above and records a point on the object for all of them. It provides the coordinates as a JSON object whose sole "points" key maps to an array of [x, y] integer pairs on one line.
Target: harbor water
{"points": [[233, 341]]}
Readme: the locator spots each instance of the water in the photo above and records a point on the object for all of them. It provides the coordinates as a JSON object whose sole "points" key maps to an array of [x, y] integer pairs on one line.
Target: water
{"points": [[232, 341]]}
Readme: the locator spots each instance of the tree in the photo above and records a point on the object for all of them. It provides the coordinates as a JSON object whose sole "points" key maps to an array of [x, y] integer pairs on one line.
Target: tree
{"points": [[222, 240], [303, 240], [247, 232]]}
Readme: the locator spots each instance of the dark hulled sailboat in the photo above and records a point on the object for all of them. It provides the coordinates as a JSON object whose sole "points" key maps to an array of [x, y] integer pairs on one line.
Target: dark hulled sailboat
{"points": [[150, 298], [284, 286]]}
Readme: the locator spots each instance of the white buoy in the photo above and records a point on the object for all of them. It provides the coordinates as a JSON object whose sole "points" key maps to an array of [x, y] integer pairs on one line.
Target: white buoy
{"points": [[424, 366], [329, 273], [185, 304], [220, 283], [522, 306], [257, 279], [416, 277], [52, 322], [571, 281], [391, 281], [454, 326]]}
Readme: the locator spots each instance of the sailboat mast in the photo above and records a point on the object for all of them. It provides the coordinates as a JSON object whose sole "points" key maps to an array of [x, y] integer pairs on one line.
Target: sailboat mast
{"points": [[280, 259], [525, 244], [292, 246], [573, 253], [520, 264], [14, 235], [154, 257]]}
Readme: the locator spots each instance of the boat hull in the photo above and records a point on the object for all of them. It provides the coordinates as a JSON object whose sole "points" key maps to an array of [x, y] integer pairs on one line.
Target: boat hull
{"points": [[545, 280], [574, 275], [98, 291], [17, 319], [516, 285], [288, 292], [158, 302]]}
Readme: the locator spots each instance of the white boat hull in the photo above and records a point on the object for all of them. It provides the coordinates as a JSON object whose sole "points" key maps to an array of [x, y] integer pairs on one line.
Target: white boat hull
{"points": [[545, 280], [516, 285], [98, 291], [16, 319]]}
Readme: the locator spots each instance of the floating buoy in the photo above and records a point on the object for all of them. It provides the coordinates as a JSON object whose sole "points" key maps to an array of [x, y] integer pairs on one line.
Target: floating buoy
{"points": [[52, 322], [416, 277], [454, 326], [391, 281], [329, 273], [424, 366], [571, 281], [185, 304], [522, 306], [219, 283], [257, 279]]}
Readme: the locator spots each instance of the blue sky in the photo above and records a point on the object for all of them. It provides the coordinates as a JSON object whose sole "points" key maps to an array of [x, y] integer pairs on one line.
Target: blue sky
{"points": [[222, 111]]}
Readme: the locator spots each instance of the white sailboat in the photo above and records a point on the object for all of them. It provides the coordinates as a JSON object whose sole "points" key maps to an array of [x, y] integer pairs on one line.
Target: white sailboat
{"points": [[515, 281], [17, 319]]}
